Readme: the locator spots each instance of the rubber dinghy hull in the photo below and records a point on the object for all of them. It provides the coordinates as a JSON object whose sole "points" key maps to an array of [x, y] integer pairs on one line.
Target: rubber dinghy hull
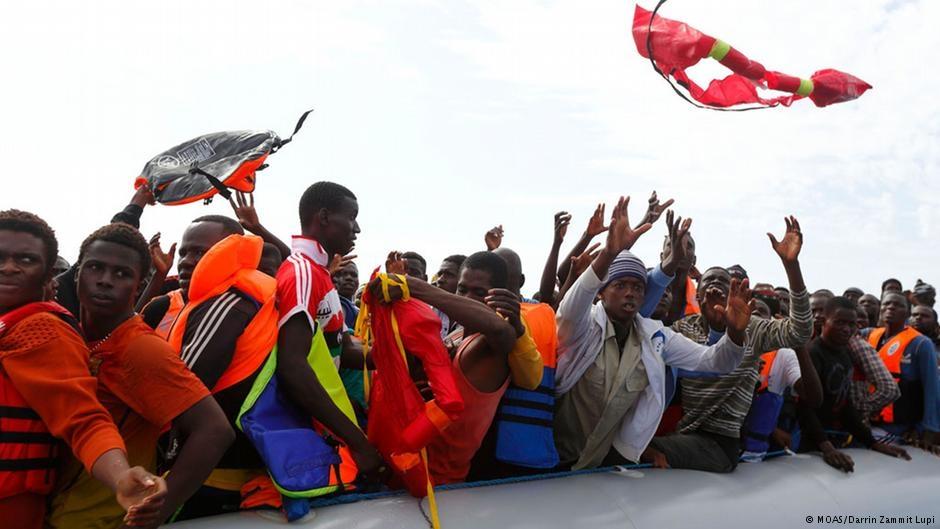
{"points": [[783, 492]]}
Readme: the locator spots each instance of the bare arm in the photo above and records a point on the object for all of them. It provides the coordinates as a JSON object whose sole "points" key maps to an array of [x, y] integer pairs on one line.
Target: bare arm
{"points": [[207, 435], [594, 228], [305, 390], [808, 386], [248, 217], [547, 285]]}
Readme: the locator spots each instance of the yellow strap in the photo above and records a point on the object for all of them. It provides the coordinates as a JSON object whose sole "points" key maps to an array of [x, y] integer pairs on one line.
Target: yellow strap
{"points": [[364, 331], [719, 50], [432, 502]]}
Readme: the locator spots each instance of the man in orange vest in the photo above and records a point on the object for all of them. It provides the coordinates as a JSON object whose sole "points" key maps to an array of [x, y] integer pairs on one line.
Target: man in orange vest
{"points": [[141, 381], [47, 392], [223, 332], [912, 361]]}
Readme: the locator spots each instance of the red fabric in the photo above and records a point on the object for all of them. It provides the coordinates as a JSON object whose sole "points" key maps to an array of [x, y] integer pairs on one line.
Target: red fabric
{"points": [[678, 46], [396, 406]]}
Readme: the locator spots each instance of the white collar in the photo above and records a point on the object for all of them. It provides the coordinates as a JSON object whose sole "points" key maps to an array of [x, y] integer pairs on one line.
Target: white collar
{"points": [[311, 249]]}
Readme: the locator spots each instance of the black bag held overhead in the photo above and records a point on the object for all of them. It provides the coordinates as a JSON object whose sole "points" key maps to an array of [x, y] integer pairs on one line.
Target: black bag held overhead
{"points": [[210, 164]]}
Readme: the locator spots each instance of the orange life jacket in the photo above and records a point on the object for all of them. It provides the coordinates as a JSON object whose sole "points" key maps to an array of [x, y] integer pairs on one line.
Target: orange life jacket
{"points": [[233, 263], [891, 354], [176, 305], [27, 449], [691, 301], [768, 362]]}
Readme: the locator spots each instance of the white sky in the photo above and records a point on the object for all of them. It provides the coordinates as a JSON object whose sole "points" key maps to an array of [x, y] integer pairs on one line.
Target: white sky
{"points": [[447, 118]]}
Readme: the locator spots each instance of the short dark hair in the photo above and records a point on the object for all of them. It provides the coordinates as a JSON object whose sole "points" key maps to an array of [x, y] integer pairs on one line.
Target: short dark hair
{"points": [[230, 226], [890, 280], [838, 303], [457, 259], [26, 222], [907, 302], [125, 235], [321, 195], [824, 292], [491, 263], [416, 256]]}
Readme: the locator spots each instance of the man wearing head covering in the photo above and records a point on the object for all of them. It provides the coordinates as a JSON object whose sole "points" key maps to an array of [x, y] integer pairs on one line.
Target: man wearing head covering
{"points": [[611, 370], [923, 294]]}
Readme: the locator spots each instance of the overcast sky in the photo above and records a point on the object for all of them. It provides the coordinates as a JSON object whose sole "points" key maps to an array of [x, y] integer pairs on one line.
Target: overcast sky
{"points": [[447, 118]]}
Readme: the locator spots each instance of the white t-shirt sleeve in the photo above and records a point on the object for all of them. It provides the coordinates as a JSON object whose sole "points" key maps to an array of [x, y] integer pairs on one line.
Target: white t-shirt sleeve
{"points": [[785, 371]]}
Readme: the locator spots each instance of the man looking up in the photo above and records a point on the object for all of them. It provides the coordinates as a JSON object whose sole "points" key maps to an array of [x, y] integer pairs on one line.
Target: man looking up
{"points": [[714, 408], [912, 361], [141, 380], [611, 376], [48, 392], [832, 363], [308, 301]]}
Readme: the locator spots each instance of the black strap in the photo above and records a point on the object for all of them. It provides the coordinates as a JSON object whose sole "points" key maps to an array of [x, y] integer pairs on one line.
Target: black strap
{"points": [[509, 417], [529, 404], [16, 412], [27, 437], [216, 183], [544, 390], [649, 52], [300, 123], [36, 463]]}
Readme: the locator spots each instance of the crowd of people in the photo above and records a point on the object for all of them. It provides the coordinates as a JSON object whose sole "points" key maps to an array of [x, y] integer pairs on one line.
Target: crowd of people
{"points": [[133, 397]]}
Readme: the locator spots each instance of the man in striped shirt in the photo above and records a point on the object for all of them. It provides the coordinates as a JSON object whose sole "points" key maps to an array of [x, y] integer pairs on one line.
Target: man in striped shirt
{"points": [[208, 347], [715, 407]]}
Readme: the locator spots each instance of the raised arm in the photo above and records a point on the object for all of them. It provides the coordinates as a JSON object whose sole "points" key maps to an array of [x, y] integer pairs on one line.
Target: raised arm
{"points": [[162, 262], [594, 228], [797, 329], [244, 207], [549, 278], [305, 390]]}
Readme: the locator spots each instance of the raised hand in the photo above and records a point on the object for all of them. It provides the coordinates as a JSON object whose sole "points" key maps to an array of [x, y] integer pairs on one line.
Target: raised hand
{"points": [[142, 495], [655, 209], [338, 262], [494, 238], [620, 236], [143, 196], [737, 312], [789, 247], [562, 219], [394, 263], [595, 225], [244, 207], [676, 256], [580, 263], [715, 300], [162, 261], [506, 304]]}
